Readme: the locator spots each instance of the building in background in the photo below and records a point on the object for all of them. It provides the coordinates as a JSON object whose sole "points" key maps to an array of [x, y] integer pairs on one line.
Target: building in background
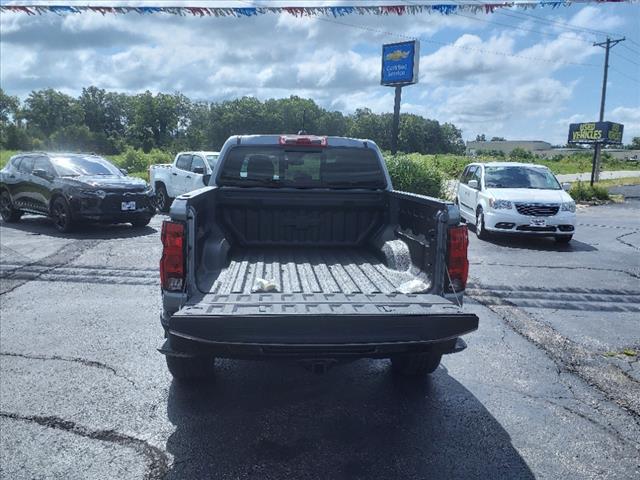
{"points": [[541, 149]]}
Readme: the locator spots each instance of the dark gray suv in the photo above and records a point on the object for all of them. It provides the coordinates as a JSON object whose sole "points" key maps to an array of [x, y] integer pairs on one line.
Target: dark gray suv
{"points": [[72, 187]]}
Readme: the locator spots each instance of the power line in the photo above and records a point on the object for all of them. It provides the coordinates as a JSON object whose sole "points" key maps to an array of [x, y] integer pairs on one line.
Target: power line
{"points": [[461, 47], [547, 34], [631, 49], [624, 74], [548, 21], [627, 59]]}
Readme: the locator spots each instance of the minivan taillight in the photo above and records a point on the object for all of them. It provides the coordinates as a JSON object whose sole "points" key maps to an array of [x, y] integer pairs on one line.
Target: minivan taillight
{"points": [[457, 262], [172, 270]]}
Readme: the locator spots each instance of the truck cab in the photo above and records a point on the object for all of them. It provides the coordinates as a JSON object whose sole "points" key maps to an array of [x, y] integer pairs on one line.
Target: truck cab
{"points": [[189, 171]]}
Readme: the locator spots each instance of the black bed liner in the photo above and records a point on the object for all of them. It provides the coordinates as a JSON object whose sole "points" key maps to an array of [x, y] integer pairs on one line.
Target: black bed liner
{"points": [[311, 270]]}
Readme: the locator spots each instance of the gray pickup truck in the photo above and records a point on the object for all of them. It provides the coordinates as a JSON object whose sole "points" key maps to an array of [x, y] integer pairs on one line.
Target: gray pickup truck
{"points": [[300, 249]]}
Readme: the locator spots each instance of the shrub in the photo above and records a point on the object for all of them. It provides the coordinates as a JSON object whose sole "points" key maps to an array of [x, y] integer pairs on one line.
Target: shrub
{"points": [[415, 175], [133, 160], [582, 192]]}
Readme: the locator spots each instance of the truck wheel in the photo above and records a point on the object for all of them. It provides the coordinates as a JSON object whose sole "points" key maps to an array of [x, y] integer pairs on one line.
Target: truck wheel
{"points": [[8, 213], [61, 214], [416, 364], [481, 233], [163, 200], [190, 369]]}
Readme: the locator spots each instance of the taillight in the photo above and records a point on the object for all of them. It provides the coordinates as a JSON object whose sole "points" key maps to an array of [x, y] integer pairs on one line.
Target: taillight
{"points": [[457, 261], [303, 140], [172, 270]]}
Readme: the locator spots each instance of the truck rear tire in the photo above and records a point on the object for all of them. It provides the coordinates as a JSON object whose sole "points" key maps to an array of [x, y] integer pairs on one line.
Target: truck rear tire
{"points": [[416, 364], [190, 369], [163, 200]]}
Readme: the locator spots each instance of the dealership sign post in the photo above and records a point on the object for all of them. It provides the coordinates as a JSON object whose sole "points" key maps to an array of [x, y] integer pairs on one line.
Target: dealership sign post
{"points": [[400, 67], [597, 134]]}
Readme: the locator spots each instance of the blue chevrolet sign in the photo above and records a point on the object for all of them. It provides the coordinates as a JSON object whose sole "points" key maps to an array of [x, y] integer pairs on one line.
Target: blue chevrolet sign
{"points": [[400, 63]]}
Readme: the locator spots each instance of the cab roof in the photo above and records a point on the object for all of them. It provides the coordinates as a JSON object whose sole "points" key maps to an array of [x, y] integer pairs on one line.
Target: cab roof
{"points": [[275, 140]]}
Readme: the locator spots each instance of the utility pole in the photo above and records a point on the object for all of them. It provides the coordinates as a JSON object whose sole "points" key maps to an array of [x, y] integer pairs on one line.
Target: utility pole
{"points": [[395, 127], [595, 167]]}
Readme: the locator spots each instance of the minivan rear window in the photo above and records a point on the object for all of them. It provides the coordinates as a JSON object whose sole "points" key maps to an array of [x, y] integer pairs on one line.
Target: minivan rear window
{"points": [[302, 167]]}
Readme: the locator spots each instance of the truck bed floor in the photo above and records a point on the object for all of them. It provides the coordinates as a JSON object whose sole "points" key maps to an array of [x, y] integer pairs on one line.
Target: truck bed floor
{"points": [[307, 270]]}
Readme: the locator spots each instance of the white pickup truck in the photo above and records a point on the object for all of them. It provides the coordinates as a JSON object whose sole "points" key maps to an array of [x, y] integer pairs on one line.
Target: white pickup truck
{"points": [[189, 171]]}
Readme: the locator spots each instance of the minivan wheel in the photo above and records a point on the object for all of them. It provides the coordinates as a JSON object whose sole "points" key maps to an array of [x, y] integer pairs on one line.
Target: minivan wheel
{"points": [[481, 233], [61, 214], [163, 201], [190, 369], [8, 213], [416, 364]]}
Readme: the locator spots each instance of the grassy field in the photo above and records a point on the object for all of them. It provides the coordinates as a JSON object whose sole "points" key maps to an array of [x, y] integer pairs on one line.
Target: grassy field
{"points": [[443, 166]]}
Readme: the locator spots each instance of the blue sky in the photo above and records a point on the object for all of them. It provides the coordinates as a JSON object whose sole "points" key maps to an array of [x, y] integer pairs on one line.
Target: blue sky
{"points": [[519, 74]]}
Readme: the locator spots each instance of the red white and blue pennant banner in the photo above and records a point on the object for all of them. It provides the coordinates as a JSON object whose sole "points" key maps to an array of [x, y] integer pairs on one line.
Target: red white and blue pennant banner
{"points": [[297, 11]]}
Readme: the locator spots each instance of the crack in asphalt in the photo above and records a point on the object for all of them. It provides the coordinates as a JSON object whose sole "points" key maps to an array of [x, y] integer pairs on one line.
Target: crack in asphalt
{"points": [[82, 361], [559, 267], [619, 239], [157, 459], [61, 257], [616, 384], [550, 400]]}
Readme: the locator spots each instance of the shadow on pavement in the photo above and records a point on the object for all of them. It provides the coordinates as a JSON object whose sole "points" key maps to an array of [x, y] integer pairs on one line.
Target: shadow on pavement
{"points": [[541, 244], [358, 421], [35, 225]]}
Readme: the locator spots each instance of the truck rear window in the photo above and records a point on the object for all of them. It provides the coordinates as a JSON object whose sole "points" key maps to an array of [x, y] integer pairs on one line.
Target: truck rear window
{"points": [[272, 166]]}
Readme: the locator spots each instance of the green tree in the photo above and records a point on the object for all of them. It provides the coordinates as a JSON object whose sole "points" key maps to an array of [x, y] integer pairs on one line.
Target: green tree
{"points": [[453, 139], [49, 110], [635, 143], [9, 107]]}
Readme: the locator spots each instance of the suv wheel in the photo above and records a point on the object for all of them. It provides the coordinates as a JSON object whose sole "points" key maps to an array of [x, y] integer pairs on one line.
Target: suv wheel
{"points": [[481, 233], [61, 214], [163, 200], [8, 213], [416, 364], [140, 222]]}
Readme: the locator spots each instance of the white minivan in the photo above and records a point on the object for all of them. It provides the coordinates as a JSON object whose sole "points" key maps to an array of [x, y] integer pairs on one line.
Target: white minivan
{"points": [[522, 198]]}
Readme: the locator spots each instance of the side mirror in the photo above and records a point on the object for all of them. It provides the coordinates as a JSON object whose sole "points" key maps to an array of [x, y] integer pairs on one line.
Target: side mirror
{"points": [[124, 171], [474, 184], [39, 172], [205, 180], [198, 170], [566, 186]]}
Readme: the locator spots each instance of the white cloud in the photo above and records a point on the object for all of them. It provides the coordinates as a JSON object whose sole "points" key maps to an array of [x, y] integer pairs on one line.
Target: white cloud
{"points": [[630, 118], [496, 80]]}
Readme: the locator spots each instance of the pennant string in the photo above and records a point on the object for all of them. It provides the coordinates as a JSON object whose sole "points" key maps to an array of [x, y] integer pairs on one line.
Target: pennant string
{"points": [[298, 11]]}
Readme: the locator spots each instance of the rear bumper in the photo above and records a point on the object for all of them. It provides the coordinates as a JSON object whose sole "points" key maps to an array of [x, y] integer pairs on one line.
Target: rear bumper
{"points": [[317, 336]]}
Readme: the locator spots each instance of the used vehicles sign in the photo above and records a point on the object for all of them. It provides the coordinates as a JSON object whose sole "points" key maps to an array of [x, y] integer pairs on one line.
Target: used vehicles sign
{"points": [[596, 132]]}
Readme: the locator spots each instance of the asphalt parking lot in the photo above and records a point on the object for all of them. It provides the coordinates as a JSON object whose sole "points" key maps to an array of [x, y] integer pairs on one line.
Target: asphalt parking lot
{"points": [[544, 390]]}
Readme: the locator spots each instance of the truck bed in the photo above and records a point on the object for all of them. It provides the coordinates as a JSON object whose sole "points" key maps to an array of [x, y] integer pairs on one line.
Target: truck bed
{"points": [[310, 270]]}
